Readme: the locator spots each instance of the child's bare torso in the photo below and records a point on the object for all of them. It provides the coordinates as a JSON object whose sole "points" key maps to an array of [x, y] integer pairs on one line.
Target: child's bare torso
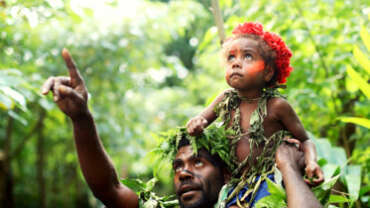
{"points": [[271, 124]]}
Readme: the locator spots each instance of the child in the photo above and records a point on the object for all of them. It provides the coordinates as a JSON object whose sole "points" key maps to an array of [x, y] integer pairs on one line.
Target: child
{"points": [[256, 62]]}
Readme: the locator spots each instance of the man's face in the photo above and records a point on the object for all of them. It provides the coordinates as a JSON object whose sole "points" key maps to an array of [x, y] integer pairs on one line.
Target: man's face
{"points": [[244, 64], [197, 181]]}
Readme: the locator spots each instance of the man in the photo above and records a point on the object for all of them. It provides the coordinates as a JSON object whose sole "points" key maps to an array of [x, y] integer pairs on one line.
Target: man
{"points": [[197, 179]]}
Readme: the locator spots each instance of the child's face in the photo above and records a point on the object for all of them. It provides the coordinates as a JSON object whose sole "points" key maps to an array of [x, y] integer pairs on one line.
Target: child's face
{"points": [[244, 64]]}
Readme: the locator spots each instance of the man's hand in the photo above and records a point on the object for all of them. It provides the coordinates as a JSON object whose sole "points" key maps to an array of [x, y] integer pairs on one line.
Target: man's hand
{"points": [[70, 92], [196, 125], [290, 161], [289, 155]]}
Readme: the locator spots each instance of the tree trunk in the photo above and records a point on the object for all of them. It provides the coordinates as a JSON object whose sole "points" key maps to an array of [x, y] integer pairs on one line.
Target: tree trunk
{"points": [[41, 161], [6, 179], [349, 129]]}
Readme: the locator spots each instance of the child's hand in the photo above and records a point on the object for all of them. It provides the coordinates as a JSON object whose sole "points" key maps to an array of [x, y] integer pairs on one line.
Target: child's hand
{"points": [[315, 176], [196, 125]]}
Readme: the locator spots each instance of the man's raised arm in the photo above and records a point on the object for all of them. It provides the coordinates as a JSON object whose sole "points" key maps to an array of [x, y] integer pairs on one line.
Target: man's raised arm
{"points": [[289, 160], [71, 96]]}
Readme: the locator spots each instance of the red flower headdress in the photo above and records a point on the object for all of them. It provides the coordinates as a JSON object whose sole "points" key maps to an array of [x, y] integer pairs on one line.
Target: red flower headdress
{"points": [[283, 53]]}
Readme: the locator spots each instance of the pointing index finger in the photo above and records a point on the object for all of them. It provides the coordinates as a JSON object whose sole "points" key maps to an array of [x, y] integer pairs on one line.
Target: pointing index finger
{"points": [[73, 72]]}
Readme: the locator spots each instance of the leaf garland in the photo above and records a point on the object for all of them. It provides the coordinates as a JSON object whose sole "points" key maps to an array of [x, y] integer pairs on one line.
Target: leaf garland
{"points": [[213, 139]]}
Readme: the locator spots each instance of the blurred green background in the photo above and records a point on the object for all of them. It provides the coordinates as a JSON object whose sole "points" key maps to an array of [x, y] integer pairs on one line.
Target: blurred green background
{"points": [[152, 65]]}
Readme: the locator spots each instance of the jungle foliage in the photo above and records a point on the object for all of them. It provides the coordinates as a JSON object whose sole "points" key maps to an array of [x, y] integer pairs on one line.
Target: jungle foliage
{"points": [[150, 66]]}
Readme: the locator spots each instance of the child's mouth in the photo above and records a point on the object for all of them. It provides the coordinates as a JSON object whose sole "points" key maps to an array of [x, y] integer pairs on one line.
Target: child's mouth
{"points": [[236, 74]]}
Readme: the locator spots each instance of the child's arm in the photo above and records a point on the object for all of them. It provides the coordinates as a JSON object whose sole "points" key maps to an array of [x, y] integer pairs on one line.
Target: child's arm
{"points": [[197, 124], [290, 120]]}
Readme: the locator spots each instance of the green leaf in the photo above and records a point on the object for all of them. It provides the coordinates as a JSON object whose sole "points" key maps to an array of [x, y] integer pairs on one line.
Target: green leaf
{"points": [[330, 170], [134, 184], [365, 37], [5, 102], [151, 203], [361, 58], [207, 39], [351, 86], [14, 95], [89, 12], [356, 120], [338, 199], [353, 179], [322, 192], [150, 184], [17, 117], [364, 86], [271, 202], [277, 199], [275, 189]]}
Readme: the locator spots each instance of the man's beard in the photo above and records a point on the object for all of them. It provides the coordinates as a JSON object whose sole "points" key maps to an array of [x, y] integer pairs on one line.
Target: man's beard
{"points": [[203, 202]]}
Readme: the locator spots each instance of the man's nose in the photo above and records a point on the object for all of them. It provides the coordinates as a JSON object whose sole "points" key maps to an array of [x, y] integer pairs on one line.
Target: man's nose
{"points": [[185, 174]]}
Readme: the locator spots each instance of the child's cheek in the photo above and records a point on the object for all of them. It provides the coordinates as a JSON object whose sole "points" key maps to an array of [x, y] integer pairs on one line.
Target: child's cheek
{"points": [[255, 68], [227, 73]]}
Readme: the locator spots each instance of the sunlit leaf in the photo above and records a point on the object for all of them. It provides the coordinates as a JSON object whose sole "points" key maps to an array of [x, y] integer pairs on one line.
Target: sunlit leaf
{"points": [[5, 102], [207, 38], [338, 199], [89, 12], [365, 36], [351, 86], [16, 96], [362, 59], [356, 120], [363, 85], [17, 117]]}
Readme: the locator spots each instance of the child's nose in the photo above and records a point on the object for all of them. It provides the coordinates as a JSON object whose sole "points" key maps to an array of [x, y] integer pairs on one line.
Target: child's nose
{"points": [[236, 64]]}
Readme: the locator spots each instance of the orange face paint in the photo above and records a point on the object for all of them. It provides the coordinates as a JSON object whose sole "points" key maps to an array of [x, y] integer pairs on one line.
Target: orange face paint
{"points": [[253, 69]]}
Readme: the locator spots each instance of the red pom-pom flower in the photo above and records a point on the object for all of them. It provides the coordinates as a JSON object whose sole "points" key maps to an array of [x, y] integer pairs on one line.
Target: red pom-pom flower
{"points": [[283, 53]]}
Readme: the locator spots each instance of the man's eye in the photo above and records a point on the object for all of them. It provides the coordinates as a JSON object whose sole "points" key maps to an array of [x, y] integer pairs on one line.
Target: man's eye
{"points": [[248, 56], [177, 168], [198, 163], [230, 57]]}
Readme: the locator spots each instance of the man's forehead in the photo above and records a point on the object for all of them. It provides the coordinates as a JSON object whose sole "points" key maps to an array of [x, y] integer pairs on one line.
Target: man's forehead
{"points": [[184, 152], [187, 152]]}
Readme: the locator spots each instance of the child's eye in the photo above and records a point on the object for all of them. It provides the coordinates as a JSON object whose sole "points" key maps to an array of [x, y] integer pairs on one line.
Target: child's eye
{"points": [[230, 57], [248, 56]]}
